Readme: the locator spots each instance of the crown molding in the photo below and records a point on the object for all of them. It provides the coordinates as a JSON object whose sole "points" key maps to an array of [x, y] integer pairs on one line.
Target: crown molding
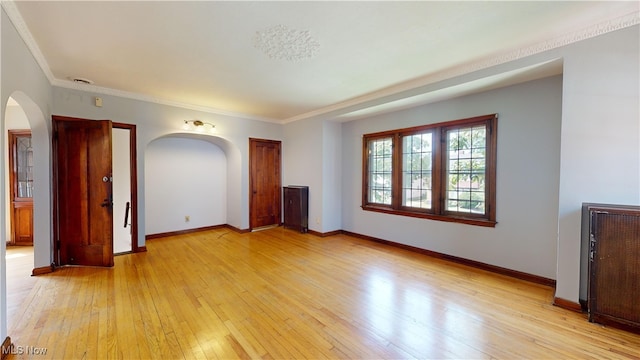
{"points": [[10, 8], [594, 30], [151, 99], [22, 29], [601, 28]]}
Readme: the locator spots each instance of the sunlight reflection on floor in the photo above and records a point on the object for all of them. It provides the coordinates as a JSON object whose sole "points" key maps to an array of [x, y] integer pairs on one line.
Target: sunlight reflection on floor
{"points": [[16, 255]]}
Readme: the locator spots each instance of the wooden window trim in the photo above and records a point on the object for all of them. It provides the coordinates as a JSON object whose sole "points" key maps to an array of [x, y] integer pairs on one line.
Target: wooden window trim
{"points": [[438, 210]]}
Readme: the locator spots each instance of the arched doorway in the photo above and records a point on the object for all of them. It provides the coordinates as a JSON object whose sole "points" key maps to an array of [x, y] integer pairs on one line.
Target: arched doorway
{"points": [[22, 113]]}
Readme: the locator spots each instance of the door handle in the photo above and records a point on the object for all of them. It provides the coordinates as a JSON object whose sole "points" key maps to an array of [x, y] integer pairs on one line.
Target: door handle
{"points": [[126, 213], [106, 203]]}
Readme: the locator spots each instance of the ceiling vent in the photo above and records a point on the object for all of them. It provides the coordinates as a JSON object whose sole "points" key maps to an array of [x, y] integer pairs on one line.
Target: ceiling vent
{"points": [[80, 80]]}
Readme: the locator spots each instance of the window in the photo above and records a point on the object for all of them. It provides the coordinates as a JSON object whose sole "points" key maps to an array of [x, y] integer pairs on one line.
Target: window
{"points": [[443, 171]]}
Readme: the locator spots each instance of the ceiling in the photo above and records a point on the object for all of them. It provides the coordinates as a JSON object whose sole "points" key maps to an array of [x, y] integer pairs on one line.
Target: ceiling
{"points": [[285, 61]]}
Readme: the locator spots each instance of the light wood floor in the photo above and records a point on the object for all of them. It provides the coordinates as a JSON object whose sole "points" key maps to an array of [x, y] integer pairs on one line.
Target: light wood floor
{"points": [[19, 280], [277, 294]]}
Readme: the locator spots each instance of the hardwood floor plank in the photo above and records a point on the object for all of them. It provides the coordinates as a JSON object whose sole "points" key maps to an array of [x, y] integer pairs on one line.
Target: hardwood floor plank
{"points": [[278, 294]]}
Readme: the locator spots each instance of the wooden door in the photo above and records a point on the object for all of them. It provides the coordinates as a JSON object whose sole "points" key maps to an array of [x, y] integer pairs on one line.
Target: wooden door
{"points": [[264, 183], [21, 187], [83, 216]]}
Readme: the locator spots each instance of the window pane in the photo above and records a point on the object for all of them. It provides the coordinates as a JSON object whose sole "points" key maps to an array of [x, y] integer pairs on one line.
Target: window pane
{"points": [[466, 170], [417, 156], [380, 167]]}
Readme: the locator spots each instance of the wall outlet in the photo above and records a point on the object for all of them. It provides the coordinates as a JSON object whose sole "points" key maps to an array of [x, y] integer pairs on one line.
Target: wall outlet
{"points": [[317, 220], [187, 218]]}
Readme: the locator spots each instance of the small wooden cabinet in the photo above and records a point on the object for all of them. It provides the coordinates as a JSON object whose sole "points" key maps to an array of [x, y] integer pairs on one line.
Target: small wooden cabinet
{"points": [[614, 265], [21, 187], [296, 207]]}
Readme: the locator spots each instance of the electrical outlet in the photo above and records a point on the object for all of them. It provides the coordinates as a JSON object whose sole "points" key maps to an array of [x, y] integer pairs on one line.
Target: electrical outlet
{"points": [[317, 220], [187, 218]]}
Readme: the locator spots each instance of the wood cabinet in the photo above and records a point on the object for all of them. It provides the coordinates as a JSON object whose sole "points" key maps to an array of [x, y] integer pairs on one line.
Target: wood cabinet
{"points": [[296, 207], [21, 187], [614, 266]]}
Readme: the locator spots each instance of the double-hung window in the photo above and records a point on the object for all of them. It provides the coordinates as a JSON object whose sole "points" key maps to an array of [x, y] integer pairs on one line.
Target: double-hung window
{"points": [[444, 171]]}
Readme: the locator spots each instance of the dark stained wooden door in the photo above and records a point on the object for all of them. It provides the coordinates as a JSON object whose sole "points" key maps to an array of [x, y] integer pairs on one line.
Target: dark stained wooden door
{"points": [[83, 191], [264, 183]]}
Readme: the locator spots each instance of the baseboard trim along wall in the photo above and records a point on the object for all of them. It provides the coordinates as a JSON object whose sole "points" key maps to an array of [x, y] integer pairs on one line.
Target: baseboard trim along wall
{"points": [[42, 270], [476, 264], [182, 232], [321, 234], [567, 305]]}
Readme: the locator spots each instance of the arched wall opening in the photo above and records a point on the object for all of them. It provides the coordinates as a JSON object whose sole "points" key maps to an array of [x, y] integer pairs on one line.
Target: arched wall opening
{"points": [[41, 143], [21, 112], [191, 181]]}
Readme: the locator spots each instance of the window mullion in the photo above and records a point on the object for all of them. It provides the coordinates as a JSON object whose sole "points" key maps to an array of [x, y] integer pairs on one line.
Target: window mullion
{"points": [[396, 186], [439, 146]]}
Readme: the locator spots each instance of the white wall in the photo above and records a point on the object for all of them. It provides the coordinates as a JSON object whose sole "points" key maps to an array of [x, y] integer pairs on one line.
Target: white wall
{"points": [[22, 79], [312, 153], [184, 177], [154, 121], [600, 158], [302, 151], [331, 176], [527, 180], [121, 195]]}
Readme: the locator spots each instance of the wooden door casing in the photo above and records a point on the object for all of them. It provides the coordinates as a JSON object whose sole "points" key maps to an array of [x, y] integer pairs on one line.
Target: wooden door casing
{"points": [[265, 183], [21, 212], [82, 178]]}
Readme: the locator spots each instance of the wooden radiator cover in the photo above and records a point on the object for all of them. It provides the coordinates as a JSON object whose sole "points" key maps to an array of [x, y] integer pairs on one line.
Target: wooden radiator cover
{"points": [[614, 267]]}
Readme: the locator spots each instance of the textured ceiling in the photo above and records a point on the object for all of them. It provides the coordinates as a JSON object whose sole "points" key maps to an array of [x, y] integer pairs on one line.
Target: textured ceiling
{"points": [[283, 61]]}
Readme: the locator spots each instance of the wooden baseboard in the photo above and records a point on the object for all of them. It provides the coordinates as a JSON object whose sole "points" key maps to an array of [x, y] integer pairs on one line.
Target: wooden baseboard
{"points": [[42, 270], [321, 234], [238, 230], [141, 249], [566, 304], [476, 264], [7, 348], [182, 232], [189, 231]]}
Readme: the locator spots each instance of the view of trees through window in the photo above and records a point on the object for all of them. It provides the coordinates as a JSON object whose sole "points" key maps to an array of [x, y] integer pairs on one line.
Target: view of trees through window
{"points": [[466, 167], [380, 160], [433, 171], [417, 157]]}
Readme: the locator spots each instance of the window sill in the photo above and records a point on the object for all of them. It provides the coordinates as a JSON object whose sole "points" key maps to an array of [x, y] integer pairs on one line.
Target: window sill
{"points": [[447, 218]]}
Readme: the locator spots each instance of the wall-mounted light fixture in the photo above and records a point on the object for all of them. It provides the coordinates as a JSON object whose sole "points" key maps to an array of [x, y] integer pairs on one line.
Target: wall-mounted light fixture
{"points": [[199, 126]]}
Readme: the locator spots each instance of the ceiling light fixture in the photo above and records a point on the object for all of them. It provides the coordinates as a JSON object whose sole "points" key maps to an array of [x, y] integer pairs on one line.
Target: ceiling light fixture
{"points": [[199, 126], [281, 43]]}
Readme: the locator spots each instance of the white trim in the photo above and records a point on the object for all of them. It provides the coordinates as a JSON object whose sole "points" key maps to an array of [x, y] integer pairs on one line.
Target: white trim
{"points": [[604, 27]]}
